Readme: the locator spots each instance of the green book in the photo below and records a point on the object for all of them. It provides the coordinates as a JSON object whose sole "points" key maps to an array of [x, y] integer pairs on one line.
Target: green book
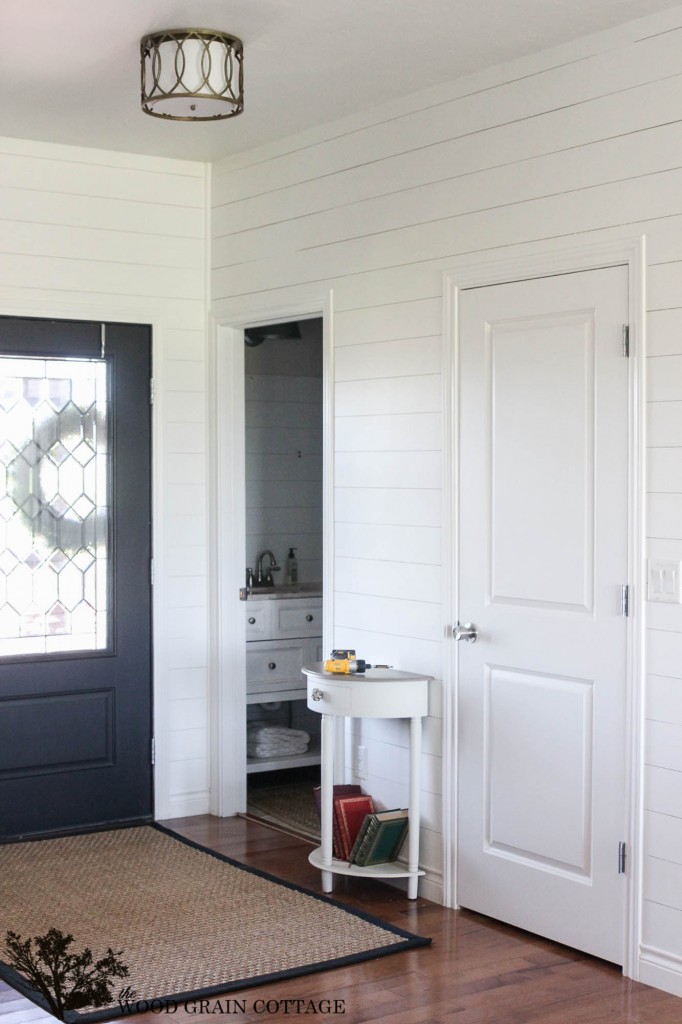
{"points": [[380, 837]]}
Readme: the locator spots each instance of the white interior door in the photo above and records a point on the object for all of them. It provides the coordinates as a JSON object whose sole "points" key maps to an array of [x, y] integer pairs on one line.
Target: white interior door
{"points": [[543, 552]]}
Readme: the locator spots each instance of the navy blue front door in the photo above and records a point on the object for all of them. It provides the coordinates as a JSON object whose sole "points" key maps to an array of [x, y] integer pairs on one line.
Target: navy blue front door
{"points": [[75, 595]]}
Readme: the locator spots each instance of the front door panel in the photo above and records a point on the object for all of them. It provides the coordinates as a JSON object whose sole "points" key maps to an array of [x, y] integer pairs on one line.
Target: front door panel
{"points": [[75, 634]]}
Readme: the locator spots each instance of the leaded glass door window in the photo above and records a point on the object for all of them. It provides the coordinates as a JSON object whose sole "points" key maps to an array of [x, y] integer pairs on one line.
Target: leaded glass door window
{"points": [[53, 506]]}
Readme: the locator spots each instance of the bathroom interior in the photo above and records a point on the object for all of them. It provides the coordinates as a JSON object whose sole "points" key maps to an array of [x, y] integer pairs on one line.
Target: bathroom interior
{"points": [[283, 365]]}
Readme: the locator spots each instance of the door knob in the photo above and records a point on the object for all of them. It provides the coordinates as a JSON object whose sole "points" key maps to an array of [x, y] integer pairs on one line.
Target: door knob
{"points": [[466, 632]]}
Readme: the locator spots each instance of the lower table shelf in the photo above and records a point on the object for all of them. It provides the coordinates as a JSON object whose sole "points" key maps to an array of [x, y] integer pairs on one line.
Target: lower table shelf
{"points": [[391, 869]]}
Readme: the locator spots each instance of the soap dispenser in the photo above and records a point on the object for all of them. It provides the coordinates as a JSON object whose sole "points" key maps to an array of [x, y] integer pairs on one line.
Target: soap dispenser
{"points": [[291, 567]]}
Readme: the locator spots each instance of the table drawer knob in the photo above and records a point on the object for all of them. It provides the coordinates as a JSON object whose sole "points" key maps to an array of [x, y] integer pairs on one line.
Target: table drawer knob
{"points": [[272, 665], [252, 621], [317, 694]]}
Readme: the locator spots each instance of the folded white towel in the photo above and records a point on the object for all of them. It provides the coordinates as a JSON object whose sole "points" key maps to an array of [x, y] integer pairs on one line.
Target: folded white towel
{"points": [[276, 732], [266, 751], [269, 748], [277, 744], [275, 741]]}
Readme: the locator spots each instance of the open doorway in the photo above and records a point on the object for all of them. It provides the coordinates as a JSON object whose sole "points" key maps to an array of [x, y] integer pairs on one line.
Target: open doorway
{"points": [[283, 394]]}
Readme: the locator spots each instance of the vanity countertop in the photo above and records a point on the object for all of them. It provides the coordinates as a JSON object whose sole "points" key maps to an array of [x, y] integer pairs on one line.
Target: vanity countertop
{"points": [[285, 591]]}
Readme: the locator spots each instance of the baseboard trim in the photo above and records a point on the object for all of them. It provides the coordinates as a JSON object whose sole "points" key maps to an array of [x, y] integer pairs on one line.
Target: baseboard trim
{"points": [[660, 969], [431, 887], [187, 805], [430, 884]]}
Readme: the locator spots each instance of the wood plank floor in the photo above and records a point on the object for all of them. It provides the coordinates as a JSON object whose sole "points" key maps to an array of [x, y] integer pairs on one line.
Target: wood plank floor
{"points": [[477, 971]]}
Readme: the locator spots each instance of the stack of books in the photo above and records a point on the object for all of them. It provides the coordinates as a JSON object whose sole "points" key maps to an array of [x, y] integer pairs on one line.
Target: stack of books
{"points": [[362, 835], [380, 837], [351, 806]]}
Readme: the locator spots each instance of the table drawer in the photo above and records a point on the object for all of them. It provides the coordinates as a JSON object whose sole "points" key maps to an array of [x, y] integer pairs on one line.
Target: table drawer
{"points": [[328, 698], [274, 667]]}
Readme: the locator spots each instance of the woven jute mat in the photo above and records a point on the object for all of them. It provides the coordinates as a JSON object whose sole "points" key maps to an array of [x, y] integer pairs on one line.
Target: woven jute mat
{"points": [[187, 921]]}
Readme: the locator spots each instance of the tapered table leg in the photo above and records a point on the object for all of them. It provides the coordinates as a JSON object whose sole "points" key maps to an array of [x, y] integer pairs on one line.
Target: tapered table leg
{"points": [[327, 797], [414, 815]]}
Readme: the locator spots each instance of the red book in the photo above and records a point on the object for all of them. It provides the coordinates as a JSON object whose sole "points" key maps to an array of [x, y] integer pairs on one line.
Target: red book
{"points": [[340, 790], [350, 812]]}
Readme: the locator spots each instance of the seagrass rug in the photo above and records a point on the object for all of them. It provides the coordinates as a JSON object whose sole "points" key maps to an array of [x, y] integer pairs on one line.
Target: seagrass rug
{"points": [[186, 922]]}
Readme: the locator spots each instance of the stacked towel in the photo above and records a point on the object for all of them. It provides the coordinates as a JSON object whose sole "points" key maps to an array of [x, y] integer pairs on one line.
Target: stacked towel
{"points": [[275, 741]]}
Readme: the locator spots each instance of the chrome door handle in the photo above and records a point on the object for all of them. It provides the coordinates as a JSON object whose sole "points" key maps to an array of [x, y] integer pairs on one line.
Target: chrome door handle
{"points": [[466, 632]]}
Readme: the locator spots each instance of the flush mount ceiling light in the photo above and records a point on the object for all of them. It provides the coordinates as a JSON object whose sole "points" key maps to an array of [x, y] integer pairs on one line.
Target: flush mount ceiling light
{"points": [[191, 74]]}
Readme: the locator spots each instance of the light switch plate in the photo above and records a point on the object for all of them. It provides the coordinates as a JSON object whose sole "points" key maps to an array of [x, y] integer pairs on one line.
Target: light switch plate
{"points": [[664, 581]]}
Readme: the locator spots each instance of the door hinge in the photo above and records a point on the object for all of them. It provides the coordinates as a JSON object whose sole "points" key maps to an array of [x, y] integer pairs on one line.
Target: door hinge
{"points": [[621, 858], [151, 390], [102, 341], [625, 600], [626, 340], [154, 752], [151, 571]]}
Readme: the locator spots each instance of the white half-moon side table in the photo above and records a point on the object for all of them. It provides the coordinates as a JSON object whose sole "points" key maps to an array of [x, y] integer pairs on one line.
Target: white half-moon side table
{"points": [[378, 693]]}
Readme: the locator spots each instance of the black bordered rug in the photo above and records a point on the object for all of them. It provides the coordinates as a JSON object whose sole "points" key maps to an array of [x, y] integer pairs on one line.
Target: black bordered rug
{"points": [[186, 922]]}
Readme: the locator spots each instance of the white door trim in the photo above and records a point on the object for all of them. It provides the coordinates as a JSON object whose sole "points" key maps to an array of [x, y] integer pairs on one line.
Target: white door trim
{"points": [[154, 315], [631, 253], [227, 650]]}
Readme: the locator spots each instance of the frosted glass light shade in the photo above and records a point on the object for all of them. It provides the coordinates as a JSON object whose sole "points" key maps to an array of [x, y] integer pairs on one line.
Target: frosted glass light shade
{"points": [[192, 75]]}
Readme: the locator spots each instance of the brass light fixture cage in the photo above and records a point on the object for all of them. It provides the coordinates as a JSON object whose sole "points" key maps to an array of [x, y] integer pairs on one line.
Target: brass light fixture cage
{"points": [[191, 74]]}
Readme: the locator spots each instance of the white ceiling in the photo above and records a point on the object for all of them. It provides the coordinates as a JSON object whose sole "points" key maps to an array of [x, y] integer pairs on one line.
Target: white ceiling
{"points": [[70, 69]]}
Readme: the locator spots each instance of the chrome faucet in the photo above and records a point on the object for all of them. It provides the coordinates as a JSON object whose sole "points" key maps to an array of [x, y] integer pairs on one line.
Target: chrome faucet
{"points": [[266, 580]]}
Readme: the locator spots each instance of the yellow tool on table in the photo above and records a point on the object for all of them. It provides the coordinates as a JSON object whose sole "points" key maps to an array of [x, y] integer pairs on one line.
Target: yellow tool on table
{"points": [[345, 663]]}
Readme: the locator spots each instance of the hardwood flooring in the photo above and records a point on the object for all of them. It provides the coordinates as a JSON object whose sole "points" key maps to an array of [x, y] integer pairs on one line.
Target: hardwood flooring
{"points": [[477, 971]]}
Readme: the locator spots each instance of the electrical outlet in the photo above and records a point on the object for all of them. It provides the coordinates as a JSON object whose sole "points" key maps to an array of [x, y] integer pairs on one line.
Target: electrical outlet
{"points": [[361, 762]]}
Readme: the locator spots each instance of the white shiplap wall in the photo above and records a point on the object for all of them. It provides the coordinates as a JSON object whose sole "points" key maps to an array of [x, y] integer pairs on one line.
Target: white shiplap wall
{"points": [[580, 143], [283, 449], [96, 235]]}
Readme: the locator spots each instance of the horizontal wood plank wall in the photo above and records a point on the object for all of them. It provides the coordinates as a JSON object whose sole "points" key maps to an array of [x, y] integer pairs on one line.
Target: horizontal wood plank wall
{"points": [[283, 449], [578, 144], [97, 235]]}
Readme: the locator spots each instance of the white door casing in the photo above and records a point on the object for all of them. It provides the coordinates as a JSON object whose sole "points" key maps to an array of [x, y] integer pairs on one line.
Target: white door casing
{"points": [[549, 777], [227, 532]]}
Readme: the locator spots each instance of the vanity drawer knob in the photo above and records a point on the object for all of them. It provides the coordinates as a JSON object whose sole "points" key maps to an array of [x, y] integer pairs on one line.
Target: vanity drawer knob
{"points": [[252, 620], [317, 694], [309, 618], [272, 664]]}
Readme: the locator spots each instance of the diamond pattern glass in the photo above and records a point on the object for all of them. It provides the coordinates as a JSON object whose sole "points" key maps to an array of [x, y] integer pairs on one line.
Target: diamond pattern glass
{"points": [[54, 484]]}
